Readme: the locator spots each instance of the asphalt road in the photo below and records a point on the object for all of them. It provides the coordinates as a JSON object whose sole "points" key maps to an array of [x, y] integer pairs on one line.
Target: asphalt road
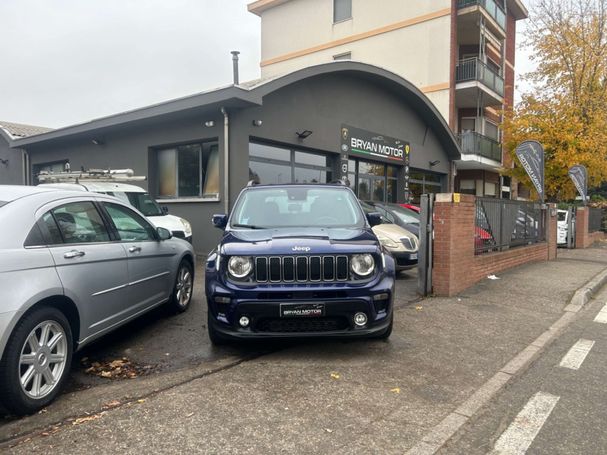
{"points": [[557, 406], [348, 396], [161, 342]]}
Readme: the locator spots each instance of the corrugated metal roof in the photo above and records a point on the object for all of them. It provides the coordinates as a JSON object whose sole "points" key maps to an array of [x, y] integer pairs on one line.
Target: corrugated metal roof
{"points": [[18, 130]]}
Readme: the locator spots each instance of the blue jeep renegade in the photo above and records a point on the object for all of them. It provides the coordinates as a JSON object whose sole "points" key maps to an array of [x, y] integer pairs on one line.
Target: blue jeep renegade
{"points": [[298, 260]]}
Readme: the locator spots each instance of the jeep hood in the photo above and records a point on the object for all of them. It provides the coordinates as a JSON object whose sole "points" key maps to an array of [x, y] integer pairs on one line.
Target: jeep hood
{"points": [[308, 240]]}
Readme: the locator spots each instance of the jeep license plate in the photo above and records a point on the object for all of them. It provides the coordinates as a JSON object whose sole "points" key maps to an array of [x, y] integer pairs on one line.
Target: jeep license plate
{"points": [[413, 256], [302, 310]]}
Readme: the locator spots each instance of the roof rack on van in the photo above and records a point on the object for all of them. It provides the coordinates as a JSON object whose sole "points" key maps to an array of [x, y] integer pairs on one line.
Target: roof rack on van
{"points": [[252, 183], [92, 175]]}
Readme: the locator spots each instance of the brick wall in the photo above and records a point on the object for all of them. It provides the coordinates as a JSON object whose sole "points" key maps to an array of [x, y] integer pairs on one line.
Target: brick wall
{"points": [[583, 238], [455, 266]]}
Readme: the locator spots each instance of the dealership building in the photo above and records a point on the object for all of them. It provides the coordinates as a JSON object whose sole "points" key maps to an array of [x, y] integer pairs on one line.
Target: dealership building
{"points": [[337, 121]]}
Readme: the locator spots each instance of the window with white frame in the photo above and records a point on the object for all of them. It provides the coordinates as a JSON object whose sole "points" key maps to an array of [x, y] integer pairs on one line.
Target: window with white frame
{"points": [[189, 171], [342, 10]]}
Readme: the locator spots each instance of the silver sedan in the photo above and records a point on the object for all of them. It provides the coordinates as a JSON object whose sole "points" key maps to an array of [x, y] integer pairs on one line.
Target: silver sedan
{"points": [[73, 267]]}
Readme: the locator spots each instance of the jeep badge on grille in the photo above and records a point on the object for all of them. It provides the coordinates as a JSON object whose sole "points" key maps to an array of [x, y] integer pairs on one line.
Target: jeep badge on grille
{"points": [[301, 248]]}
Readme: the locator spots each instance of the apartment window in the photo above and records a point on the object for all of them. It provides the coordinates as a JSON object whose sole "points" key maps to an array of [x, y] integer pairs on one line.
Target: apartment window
{"points": [[467, 124], [344, 56], [189, 171], [491, 130], [342, 10]]}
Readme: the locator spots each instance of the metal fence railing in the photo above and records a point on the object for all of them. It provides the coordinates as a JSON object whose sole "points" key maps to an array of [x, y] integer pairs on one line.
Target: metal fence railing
{"points": [[477, 144], [491, 6], [473, 69], [502, 224], [596, 219]]}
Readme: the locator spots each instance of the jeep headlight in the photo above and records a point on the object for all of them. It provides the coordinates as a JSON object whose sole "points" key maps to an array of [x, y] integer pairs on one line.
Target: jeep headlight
{"points": [[362, 264], [187, 227], [240, 266]]}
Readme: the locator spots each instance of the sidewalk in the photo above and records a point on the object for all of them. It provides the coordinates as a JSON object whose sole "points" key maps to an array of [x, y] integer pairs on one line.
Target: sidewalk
{"points": [[355, 397]]}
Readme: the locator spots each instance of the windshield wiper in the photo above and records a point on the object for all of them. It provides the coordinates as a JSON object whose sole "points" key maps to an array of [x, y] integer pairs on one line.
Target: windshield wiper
{"points": [[249, 226]]}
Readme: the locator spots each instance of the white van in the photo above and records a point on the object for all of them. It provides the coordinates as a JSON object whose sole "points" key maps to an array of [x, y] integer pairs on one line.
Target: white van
{"points": [[138, 198], [562, 225]]}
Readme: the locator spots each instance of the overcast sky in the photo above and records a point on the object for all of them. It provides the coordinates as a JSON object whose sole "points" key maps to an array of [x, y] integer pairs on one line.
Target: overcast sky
{"points": [[68, 61]]}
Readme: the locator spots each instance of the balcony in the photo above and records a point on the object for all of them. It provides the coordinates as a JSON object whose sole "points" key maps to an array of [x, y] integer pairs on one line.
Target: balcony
{"points": [[482, 146], [472, 75], [490, 7]]}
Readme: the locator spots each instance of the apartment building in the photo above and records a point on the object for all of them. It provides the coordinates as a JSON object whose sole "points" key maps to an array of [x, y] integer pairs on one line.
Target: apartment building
{"points": [[459, 53]]}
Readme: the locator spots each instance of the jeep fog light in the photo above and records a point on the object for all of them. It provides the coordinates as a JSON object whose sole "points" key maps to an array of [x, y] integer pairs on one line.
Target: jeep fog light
{"points": [[360, 319], [244, 321], [362, 264], [240, 266]]}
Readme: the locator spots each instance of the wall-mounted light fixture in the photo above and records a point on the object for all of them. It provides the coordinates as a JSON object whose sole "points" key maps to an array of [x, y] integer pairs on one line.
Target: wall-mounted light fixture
{"points": [[209, 123], [257, 122], [304, 134], [434, 163], [5, 162], [97, 141]]}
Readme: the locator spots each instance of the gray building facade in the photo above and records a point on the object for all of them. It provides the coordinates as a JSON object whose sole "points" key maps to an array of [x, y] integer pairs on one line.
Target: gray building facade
{"points": [[292, 128]]}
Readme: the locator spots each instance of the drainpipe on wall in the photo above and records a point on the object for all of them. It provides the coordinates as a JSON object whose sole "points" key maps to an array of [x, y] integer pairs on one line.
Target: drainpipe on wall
{"points": [[226, 160], [25, 166]]}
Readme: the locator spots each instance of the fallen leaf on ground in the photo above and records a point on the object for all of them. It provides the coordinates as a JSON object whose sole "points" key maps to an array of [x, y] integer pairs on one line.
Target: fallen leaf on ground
{"points": [[328, 430], [335, 376], [395, 390], [112, 404], [115, 369], [418, 307], [142, 400], [81, 420]]}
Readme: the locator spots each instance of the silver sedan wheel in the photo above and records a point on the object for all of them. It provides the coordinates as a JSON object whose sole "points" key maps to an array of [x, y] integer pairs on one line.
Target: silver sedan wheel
{"points": [[184, 286], [43, 359]]}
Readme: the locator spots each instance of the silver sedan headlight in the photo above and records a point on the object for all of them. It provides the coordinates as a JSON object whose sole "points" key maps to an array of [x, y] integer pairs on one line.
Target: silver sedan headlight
{"points": [[362, 264], [240, 266]]}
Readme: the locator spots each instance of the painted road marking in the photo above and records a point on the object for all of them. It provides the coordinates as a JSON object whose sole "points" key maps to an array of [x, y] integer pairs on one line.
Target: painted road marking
{"points": [[602, 316], [576, 355], [525, 427]]}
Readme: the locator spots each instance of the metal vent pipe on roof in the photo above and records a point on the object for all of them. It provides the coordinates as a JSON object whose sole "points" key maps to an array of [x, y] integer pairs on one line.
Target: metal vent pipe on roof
{"points": [[235, 66]]}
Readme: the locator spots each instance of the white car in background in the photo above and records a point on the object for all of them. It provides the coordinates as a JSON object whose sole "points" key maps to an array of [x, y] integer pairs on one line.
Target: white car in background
{"points": [[138, 198], [562, 226]]}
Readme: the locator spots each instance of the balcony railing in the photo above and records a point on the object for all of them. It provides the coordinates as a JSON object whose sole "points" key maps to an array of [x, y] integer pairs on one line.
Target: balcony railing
{"points": [[472, 69], [476, 144], [491, 6]]}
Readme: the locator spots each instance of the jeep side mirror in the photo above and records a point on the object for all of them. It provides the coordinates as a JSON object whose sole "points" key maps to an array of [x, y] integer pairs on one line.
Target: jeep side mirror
{"points": [[220, 221], [163, 233], [374, 218], [165, 209]]}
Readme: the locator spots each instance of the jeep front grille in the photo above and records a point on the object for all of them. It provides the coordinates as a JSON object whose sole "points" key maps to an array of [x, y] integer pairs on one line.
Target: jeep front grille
{"points": [[300, 269]]}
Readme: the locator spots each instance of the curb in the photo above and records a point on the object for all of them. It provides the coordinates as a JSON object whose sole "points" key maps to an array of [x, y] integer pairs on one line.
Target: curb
{"points": [[440, 434], [585, 293]]}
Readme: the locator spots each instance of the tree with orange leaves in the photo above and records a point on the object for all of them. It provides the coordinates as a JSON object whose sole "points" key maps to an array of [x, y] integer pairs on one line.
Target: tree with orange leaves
{"points": [[566, 109]]}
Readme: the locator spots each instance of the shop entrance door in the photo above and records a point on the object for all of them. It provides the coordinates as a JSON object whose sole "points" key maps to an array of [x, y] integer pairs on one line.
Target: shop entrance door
{"points": [[372, 188]]}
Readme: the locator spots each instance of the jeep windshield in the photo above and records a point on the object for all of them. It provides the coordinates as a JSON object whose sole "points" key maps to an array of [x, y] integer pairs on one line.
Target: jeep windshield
{"points": [[297, 206]]}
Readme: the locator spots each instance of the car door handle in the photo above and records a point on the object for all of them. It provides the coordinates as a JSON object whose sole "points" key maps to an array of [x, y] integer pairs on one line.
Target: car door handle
{"points": [[134, 249], [73, 254]]}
